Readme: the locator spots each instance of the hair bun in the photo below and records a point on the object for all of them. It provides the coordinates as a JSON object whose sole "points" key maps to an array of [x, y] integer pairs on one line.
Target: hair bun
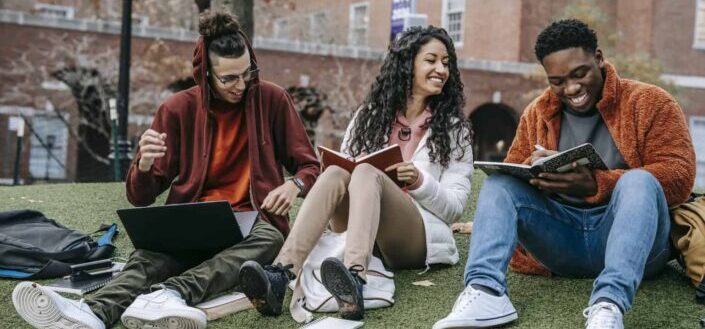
{"points": [[215, 24]]}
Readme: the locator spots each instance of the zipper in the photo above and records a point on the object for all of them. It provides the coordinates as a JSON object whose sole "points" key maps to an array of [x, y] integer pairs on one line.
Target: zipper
{"points": [[208, 158]]}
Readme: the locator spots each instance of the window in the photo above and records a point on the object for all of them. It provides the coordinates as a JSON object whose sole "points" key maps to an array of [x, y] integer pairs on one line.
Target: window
{"points": [[47, 158], [359, 21], [281, 29], [699, 38], [47, 10], [318, 25], [453, 16]]}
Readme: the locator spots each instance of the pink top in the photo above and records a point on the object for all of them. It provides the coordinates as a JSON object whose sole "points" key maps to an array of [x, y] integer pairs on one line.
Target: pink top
{"points": [[408, 136]]}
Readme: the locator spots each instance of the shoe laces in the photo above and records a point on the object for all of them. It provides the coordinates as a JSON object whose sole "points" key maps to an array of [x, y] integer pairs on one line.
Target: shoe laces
{"points": [[283, 269], [466, 298], [602, 315], [355, 271]]}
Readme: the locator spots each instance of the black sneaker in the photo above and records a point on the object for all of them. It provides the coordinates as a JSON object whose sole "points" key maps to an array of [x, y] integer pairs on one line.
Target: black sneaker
{"points": [[265, 287], [346, 286]]}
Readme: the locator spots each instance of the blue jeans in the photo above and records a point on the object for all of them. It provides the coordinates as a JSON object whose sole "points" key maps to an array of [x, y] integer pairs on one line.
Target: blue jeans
{"points": [[619, 243]]}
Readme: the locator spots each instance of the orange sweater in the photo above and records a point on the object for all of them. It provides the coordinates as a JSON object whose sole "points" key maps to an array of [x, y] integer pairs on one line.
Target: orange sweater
{"points": [[648, 128], [228, 175]]}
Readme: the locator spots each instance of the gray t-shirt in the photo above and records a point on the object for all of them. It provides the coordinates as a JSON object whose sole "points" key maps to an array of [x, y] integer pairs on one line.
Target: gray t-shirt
{"points": [[578, 128]]}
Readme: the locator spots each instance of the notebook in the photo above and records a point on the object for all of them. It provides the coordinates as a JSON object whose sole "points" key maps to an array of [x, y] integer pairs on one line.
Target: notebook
{"points": [[188, 227], [225, 305], [381, 159], [561, 162], [81, 287], [328, 322]]}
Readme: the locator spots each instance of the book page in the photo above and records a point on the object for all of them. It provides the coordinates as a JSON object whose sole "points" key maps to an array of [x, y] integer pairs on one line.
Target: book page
{"points": [[583, 154], [386, 149]]}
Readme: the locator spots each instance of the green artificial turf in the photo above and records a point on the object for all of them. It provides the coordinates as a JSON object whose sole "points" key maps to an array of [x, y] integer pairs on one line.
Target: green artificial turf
{"points": [[665, 302]]}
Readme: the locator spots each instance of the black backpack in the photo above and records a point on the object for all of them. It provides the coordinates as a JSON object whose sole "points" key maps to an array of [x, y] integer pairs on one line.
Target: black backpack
{"points": [[35, 247]]}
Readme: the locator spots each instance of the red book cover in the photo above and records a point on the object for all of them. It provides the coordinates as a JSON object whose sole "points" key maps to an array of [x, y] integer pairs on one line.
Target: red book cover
{"points": [[380, 160]]}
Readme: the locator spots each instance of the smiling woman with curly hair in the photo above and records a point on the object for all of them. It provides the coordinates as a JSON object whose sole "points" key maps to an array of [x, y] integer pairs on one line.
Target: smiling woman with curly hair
{"points": [[417, 103]]}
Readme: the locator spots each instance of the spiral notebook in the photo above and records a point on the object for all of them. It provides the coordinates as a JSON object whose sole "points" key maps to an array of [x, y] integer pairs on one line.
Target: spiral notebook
{"points": [[329, 322], [82, 287]]}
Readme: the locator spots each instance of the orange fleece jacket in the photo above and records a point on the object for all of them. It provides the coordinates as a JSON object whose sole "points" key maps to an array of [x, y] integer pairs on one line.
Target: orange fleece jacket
{"points": [[647, 125]]}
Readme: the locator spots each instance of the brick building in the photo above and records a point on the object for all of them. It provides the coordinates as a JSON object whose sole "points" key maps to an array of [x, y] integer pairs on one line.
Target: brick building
{"points": [[336, 47]]}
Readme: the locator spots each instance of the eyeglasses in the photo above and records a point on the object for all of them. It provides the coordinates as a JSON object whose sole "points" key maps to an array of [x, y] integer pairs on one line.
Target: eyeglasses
{"points": [[404, 134], [233, 79]]}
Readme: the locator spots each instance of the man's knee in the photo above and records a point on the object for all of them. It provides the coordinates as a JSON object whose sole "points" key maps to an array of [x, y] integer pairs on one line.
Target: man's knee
{"points": [[267, 232], [503, 182], [638, 180]]}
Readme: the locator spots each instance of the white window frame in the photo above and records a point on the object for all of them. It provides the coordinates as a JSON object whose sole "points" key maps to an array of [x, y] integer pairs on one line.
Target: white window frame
{"points": [[699, 27], [315, 29], [43, 125], [352, 29], [47, 10], [281, 33], [445, 11]]}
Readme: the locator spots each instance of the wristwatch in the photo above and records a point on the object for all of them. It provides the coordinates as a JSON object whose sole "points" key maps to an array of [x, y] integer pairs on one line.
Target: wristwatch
{"points": [[299, 183]]}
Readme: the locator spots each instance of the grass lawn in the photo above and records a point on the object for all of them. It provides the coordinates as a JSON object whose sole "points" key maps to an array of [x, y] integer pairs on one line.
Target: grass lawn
{"points": [[665, 302]]}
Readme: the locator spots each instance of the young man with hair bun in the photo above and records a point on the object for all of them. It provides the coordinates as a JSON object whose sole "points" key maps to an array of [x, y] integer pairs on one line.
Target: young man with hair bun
{"points": [[227, 138]]}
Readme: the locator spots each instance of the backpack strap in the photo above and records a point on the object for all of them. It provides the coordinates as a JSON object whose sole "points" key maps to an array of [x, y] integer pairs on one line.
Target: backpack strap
{"points": [[110, 232], [14, 274], [104, 248]]}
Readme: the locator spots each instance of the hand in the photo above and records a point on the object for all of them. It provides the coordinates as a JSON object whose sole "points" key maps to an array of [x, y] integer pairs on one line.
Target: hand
{"points": [[152, 146], [538, 154], [280, 199], [406, 172], [580, 182]]}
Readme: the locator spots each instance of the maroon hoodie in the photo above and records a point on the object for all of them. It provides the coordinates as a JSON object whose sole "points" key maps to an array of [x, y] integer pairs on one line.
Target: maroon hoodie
{"points": [[275, 132]]}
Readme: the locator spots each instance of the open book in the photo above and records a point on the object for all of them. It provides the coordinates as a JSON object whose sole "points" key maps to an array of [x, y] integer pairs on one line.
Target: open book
{"points": [[381, 159], [584, 155], [227, 304]]}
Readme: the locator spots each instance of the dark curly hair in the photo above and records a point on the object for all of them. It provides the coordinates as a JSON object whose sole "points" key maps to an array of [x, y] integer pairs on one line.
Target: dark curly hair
{"points": [[222, 34], [564, 34], [392, 89]]}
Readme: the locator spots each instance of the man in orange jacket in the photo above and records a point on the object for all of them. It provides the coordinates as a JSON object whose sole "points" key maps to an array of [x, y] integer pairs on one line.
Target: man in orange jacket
{"points": [[610, 224]]}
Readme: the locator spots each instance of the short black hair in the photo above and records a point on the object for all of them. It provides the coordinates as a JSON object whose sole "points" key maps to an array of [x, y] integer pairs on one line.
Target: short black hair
{"points": [[564, 34]]}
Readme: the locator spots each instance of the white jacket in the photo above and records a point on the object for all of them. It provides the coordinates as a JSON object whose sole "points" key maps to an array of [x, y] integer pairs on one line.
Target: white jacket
{"points": [[441, 198]]}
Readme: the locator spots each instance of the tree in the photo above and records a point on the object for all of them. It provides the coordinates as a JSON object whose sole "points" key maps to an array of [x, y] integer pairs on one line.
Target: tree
{"points": [[89, 71]]}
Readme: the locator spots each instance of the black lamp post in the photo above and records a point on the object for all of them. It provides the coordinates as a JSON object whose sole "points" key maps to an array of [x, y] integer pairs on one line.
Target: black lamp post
{"points": [[49, 143], [123, 150]]}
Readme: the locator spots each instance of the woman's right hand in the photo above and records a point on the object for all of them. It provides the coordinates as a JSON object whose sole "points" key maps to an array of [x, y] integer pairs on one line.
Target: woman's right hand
{"points": [[152, 147]]}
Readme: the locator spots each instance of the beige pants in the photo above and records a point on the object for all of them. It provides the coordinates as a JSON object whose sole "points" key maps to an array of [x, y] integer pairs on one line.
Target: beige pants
{"points": [[371, 208]]}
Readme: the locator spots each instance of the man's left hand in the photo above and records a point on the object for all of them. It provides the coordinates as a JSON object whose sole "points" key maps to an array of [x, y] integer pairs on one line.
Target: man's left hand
{"points": [[580, 182], [280, 199]]}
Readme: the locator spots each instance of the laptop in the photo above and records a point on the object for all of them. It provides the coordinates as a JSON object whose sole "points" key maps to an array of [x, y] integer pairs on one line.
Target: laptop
{"points": [[188, 227]]}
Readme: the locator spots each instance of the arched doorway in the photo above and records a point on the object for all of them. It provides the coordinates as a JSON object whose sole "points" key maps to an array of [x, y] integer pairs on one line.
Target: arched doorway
{"points": [[495, 125]]}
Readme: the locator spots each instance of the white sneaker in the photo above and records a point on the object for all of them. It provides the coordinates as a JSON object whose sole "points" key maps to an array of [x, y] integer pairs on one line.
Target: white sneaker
{"points": [[478, 309], [603, 315], [44, 308], [162, 309]]}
